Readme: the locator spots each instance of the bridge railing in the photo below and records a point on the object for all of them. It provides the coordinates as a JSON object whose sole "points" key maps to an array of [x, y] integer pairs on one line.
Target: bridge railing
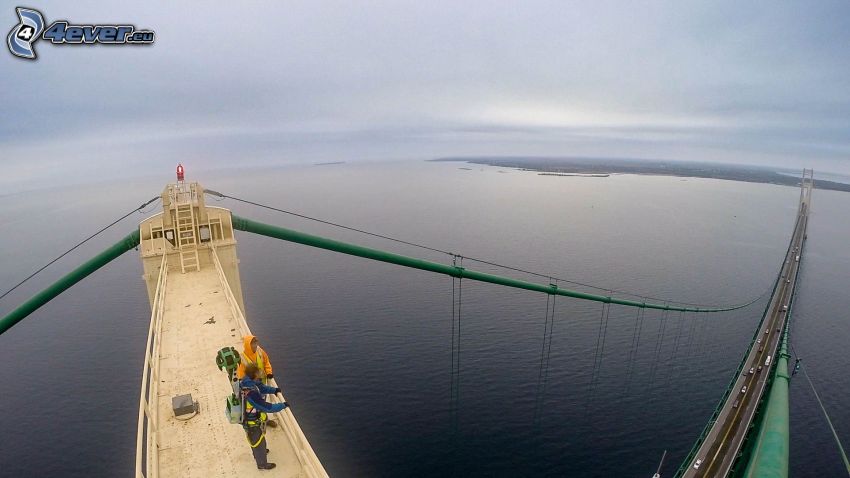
{"points": [[310, 463], [147, 442]]}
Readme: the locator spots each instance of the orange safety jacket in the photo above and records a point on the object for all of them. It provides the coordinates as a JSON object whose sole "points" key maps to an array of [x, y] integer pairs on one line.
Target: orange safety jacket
{"points": [[260, 358]]}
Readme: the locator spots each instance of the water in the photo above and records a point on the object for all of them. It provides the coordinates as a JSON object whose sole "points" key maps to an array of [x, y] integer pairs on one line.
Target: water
{"points": [[364, 349]]}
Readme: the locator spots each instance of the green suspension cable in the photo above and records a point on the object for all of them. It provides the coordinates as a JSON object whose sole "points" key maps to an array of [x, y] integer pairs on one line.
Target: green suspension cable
{"points": [[247, 225]]}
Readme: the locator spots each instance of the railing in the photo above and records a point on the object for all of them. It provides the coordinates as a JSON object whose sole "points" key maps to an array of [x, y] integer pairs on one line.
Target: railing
{"points": [[147, 443], [182, 192], [306, 456]]}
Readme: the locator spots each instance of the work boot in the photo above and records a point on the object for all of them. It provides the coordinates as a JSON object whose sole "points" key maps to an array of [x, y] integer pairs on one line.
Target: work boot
{"points": [[267, 466]]}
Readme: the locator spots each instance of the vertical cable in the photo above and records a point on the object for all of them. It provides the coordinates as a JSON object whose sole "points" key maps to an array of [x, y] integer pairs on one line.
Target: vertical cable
{"points": [[539, 387]]}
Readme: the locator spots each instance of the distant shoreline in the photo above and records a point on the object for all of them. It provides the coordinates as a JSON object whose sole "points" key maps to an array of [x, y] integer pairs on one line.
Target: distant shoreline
{"points": [[574, 175], [603, 167]]}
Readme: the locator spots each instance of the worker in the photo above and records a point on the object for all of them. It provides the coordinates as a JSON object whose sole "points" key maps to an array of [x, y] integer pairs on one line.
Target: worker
{"points": [[253, 353], [256, 410]]}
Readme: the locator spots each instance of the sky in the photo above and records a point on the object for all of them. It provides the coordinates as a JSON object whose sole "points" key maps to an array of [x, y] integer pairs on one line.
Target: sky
{"points": [[241, 84]]}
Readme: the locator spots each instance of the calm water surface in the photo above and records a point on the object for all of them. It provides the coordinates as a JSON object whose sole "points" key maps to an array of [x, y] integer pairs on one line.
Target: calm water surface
{"points": [[364, 349]]}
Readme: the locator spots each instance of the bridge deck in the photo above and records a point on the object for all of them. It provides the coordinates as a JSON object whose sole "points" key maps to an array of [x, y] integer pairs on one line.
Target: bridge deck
{"points": [[718, 452], [197, 322]]}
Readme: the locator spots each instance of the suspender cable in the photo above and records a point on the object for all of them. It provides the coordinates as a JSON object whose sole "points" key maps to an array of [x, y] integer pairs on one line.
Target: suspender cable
{"points": [[545, 352], [548, 352], [452, 369], [457, 371], [454, 403], [290, 235], [676, 342], [600, 352], [659, 344], [542, 355], [633, 352], [690, 341]]}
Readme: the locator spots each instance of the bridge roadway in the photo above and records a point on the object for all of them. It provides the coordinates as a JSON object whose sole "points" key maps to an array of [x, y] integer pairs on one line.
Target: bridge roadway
{"points": [[718, 452]]}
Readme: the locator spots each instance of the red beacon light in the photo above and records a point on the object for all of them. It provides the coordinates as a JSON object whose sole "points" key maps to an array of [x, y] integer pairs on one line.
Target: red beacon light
{"points": [[179, 172]]}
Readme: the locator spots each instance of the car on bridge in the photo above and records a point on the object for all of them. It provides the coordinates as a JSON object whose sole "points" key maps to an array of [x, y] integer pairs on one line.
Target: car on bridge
{"points": [[752, 370], [784, 308], [697, 464], [744, 390]]}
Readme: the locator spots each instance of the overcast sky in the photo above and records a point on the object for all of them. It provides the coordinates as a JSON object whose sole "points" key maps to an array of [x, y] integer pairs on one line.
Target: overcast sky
{"points": [[278, 82]]}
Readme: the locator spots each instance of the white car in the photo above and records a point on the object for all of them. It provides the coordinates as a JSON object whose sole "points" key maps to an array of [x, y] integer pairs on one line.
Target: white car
{"points": [[697, 464], [758, 341], [784, 308], [752, 370], [744, 390]]}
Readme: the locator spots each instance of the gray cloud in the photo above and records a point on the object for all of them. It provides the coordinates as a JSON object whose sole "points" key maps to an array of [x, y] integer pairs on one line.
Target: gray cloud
{"points": [[263, 83]]}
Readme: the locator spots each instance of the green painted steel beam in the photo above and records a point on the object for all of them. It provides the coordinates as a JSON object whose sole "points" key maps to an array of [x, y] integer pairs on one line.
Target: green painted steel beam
{"points": [[247, 225], [64, 283], [770, 455]]}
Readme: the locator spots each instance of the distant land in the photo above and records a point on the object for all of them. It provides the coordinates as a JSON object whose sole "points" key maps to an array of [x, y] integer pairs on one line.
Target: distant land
{"points": [[598, 167], [329, 163]]}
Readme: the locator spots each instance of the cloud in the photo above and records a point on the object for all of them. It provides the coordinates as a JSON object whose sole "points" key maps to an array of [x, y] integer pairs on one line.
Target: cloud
{"points": [[270, 82]]}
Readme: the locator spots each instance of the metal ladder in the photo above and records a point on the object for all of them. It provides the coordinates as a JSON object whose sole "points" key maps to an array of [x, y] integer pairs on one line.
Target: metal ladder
{"points": [[187, 241]]}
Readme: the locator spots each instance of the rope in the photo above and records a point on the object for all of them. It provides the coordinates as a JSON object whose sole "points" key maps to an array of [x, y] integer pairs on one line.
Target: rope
{"points": [[139, 209], [474, 259]]}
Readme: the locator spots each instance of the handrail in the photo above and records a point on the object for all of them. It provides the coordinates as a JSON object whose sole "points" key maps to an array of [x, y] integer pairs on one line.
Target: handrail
{"points": [[312, 466], [150, 385]]}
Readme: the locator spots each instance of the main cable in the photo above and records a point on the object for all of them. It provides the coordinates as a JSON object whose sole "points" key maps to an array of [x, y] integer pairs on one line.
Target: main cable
{"points": [[138, 209], [481, 261]]}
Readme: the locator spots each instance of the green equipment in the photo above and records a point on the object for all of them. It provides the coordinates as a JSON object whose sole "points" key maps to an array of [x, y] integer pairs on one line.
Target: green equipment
{"points": [[228, 359]]}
